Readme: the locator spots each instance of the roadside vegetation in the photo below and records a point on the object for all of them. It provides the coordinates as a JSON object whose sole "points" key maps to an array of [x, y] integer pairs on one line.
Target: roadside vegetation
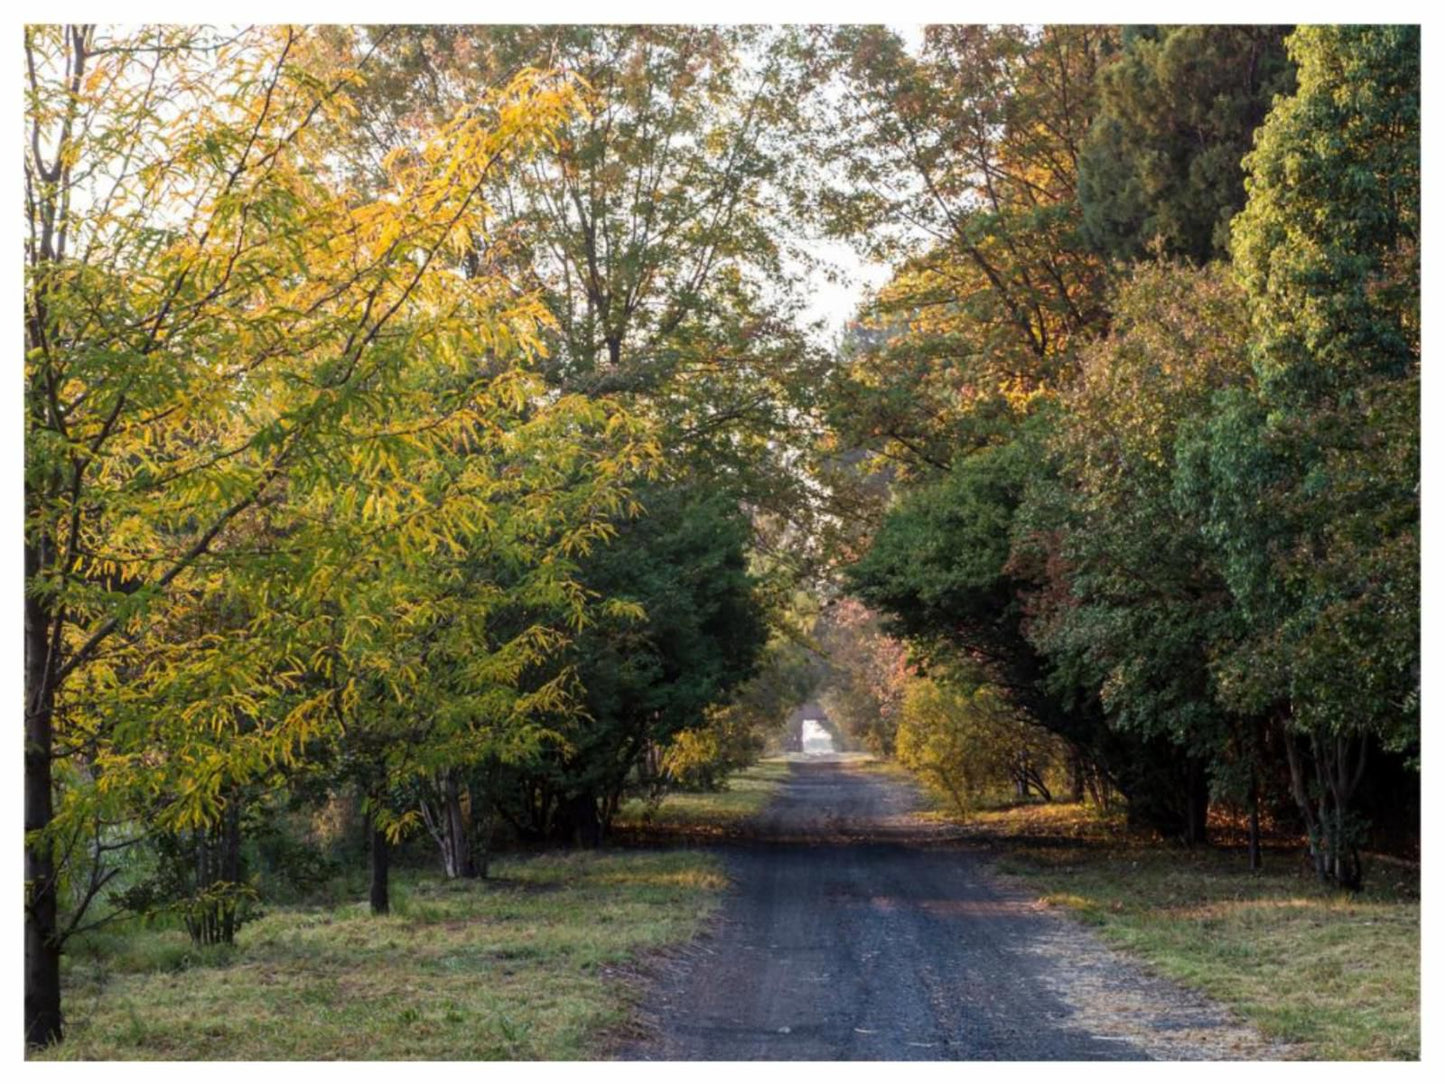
{"points": [[522, 966], [1139, 514], [1334, 971], [706, 813], [430, 454]]}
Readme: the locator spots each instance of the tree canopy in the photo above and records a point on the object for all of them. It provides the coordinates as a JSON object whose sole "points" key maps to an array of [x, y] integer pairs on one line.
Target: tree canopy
{"points": [[423, 432]]}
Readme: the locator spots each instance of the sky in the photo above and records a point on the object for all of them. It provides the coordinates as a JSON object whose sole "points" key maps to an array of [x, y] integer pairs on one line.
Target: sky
{"points": [[836, 302]]}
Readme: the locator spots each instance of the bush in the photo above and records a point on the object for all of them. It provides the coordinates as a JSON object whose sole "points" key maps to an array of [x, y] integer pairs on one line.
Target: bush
{"points": [[968, 743]]}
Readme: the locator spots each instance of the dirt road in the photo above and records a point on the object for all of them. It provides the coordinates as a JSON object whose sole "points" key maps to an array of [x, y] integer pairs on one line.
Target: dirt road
{"points": [[856, 931]]}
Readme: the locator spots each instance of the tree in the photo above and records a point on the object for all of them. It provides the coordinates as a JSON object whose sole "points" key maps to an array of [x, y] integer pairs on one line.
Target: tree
{"points": [[1310, 484], [974, 145], [217, 332], [865, 675], [449, 638], [1131, 601], [943, 569], [1177, 112], [973, 148], [734, 735], [685, 630], [654, 228]]}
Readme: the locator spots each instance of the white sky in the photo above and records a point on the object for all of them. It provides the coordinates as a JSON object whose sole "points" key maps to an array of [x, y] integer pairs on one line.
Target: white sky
{"points": [[836, 302]]}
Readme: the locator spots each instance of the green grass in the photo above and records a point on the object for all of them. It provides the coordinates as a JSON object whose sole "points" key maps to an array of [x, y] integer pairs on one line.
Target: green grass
{"points": [[1338, 974], [519, 967], [709, 812]]}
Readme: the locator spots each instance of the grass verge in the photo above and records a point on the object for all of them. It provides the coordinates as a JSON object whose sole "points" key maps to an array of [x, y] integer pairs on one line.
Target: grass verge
{"points": [[707, 813], [515, 968], [1337, 973]]}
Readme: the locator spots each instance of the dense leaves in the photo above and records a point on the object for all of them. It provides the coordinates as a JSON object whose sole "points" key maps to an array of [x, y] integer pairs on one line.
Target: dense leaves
{"points": [[276, 443], [685, 631], [1317, 472], [423, 435], [1174, 518], [1177, 113]]}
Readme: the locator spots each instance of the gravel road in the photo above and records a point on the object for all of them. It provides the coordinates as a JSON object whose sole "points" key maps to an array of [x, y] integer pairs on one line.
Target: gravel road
{"points": [[856, 931]]}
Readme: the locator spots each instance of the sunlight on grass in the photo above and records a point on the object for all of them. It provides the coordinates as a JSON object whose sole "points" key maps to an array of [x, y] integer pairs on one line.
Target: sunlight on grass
{"points": [[512, 968], [746, 793]]}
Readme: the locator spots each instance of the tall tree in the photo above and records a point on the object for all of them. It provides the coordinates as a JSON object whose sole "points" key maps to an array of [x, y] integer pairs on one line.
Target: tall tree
{"points": [[1177, 112], [865, 675], [1311, 484], [217, 333], [975, 145], [1130, 600], [962, 165], [655, 226], [693, 633]]}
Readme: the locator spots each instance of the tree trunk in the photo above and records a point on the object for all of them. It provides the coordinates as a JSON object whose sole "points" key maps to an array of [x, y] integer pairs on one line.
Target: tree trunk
{"points": [[485, 825], [458, 831], [1339, 766], [1300, 790], [231, 867], [1034, 780], [1076, 777], [1196, 796], [1254, 853], [482, 788], [380, 872], [583, 821], [1098, 789], [198, 916], [43, 1021], [609, 809]]}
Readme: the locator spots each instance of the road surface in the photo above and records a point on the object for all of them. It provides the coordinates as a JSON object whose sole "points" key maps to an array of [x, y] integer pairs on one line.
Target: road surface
{"points": [[856, 931]]}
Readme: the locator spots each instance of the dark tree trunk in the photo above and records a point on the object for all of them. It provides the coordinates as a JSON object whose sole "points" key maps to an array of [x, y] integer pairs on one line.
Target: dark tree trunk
{"points": [[1196, 814], [198, 918], [217, 869], [1339, 767], [1076, 777], [231, 867], [1339, 764], [43, 1021], [1300, 790], [485, 826], [1032, 779], [380, 872], [586, 828], [1254, 853], [482, 789]]}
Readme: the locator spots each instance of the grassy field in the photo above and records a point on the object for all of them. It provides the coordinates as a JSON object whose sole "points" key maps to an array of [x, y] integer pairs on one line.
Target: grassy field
{"points": [[703, 814], [512, 968], [1337, 973]]}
